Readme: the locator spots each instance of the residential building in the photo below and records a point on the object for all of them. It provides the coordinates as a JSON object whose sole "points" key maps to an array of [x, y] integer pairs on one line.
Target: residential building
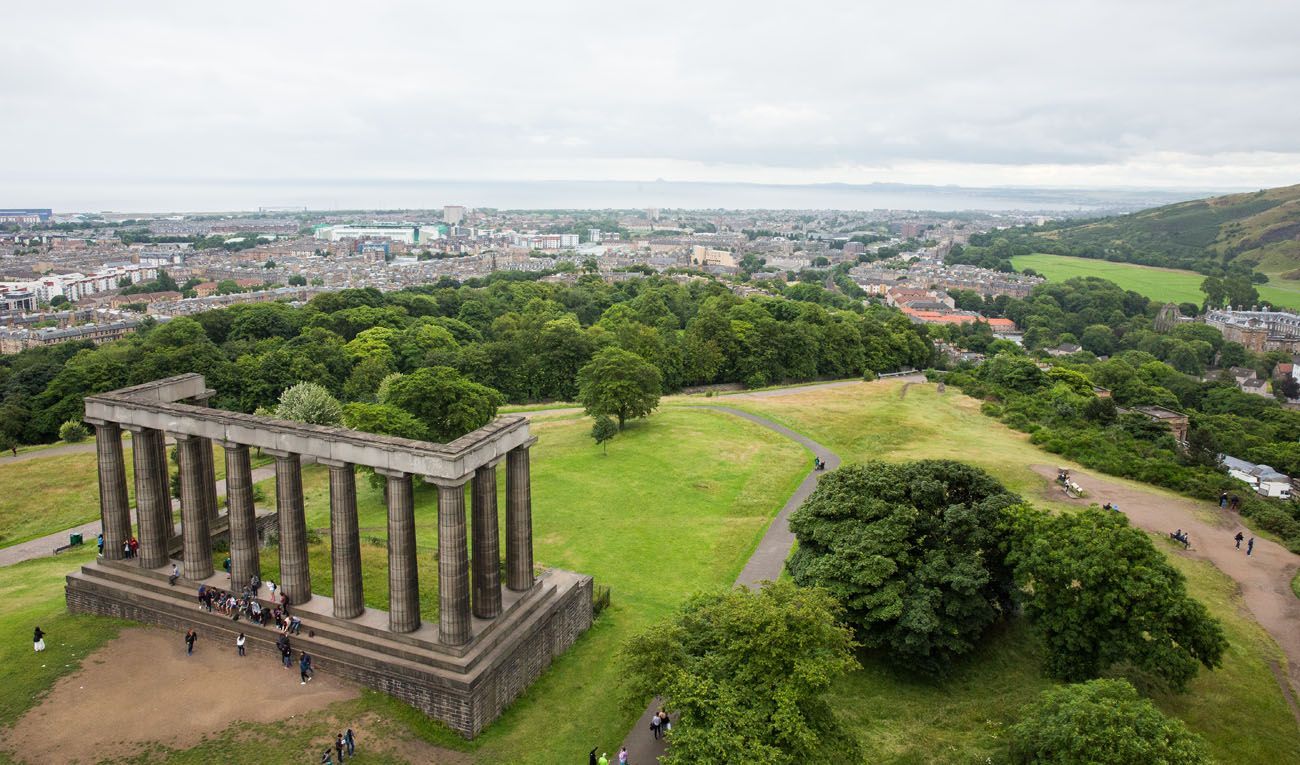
{"points": [[1266, 481]]}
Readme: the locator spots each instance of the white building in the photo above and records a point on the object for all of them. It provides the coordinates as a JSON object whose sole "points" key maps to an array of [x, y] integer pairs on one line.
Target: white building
{"points": [[1266, 481], [404, 234], [453, 214]]}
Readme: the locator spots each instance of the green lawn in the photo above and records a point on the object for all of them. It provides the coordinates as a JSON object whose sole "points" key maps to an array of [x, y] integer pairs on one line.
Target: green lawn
{"points": [[1238, 708], [675, 507], [33, 596], [1168, 285]]}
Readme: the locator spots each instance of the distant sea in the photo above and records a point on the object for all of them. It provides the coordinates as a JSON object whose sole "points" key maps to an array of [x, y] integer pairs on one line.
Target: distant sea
{"points": [[161, 196]]}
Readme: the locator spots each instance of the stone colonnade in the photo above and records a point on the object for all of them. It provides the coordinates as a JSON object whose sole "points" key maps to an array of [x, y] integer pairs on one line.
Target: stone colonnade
{"points": [[456, 577]]}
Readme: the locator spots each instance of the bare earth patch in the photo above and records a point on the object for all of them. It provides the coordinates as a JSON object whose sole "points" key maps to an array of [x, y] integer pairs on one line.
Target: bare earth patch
{"points": [[141, 687]]}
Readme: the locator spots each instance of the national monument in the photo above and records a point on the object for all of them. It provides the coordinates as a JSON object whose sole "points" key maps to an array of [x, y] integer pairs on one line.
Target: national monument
{"points": [[491, 641]]}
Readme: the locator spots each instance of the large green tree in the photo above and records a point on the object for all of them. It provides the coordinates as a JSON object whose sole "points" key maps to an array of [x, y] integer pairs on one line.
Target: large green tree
{"points": [[440, 397], [1102, 722], [1099, 594], [747, 671], [619, 383], [911, 551]]}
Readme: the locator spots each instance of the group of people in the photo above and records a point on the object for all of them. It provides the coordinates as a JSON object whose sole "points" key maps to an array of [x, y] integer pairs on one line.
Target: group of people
{"points": [[1232, 503], [345, 745], [603, 759], [1181, 536], [818, 464], [130, 548], [247, 606]]}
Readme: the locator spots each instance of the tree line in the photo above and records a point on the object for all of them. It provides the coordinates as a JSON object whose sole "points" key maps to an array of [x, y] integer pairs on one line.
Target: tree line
{"points": [[526, 340]]}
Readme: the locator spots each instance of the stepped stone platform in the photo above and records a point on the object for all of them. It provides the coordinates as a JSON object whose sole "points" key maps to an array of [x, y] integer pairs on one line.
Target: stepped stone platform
{"points": [[466, 686]]}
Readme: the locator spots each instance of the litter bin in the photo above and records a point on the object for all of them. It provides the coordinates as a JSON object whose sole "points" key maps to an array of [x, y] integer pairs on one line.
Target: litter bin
{"points": [[74, 539]]}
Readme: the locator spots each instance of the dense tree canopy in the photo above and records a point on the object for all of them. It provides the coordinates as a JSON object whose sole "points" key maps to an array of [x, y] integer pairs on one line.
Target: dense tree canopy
{"points": [[747, 671], [1101, 722], [524, 338], [448, 405], [911, 551], [1099, 594]]}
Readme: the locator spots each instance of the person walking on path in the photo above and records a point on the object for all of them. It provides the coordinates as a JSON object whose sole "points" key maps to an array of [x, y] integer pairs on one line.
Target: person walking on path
{"points": [[190, 637], [1223, 499], [654, 725], [304, 668], [286, 653], [622, 755], [1239, 537], [38, 639], [338, 747], [1250, 546], [239, 643], [350, 740]]}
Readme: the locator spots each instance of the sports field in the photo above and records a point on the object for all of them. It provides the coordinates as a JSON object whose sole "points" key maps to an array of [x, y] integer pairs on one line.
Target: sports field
{"points": [[1169, 285]]}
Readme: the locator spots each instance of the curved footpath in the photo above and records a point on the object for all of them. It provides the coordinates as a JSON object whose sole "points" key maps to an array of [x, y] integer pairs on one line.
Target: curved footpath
{"points": [[764, 565]]}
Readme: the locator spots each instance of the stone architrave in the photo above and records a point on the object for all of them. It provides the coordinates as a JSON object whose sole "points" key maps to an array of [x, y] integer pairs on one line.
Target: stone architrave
{"points": [[403, 572], [295, 572], [486, 544], [244, 563], [519, 519], [197, 549], [114, 507], [153, 505], [345, 541], [454, 624]]}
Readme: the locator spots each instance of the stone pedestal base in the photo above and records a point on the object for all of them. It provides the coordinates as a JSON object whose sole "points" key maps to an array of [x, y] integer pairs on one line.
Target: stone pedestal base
{"points": [[466, 686]]}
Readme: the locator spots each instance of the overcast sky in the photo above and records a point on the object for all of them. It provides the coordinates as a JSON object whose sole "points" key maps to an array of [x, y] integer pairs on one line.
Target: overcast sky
{"points": [[1170, 94]]}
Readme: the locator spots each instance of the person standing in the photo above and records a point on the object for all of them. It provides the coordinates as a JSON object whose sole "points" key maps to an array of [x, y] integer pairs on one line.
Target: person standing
{"points": [[603, 759], [338, 747], [38, 639], [100, 542], [654, 725], [190, 637], [1250, 546], [622, 756], [350, 741], [239, 643], [1239, 537], [1223, 499], [304, 668]]}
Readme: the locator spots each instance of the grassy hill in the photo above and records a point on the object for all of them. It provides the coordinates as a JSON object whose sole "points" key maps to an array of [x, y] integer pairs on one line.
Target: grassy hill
{"points": [[1260, 230]]}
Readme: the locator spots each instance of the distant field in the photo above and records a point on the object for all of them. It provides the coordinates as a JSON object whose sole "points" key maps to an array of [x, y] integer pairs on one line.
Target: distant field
{"points": [[1163, 284]]}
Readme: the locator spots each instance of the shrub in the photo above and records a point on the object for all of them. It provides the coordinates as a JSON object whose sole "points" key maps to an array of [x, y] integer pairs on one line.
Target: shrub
{"points": [[73, 431], [1102, 722]]}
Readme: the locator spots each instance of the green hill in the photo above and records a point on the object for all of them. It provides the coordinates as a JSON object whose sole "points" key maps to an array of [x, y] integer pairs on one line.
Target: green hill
{"points": [[1259, 231]]}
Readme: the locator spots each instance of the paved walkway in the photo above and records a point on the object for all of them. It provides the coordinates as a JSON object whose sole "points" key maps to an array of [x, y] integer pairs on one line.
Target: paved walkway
{"points": [[43, 546], [764, 565], [53, 451]]}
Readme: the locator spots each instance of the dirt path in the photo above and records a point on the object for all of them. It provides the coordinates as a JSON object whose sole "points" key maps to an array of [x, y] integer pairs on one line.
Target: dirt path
{"points": [[142, 687], [1264, 577]]}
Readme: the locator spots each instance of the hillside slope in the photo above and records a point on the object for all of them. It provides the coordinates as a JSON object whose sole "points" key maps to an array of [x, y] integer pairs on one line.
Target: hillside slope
{"points": [[1259, 230]]}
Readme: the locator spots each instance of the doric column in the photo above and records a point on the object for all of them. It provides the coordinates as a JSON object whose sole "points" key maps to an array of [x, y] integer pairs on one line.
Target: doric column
{"points": [[519, 519], [345, 542], [153, 507], [197, 552], [486, 544], [244, 563], [403, 573], [114, 507], [295, 574], [453, 564], [165, 484], [209, 466]]}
